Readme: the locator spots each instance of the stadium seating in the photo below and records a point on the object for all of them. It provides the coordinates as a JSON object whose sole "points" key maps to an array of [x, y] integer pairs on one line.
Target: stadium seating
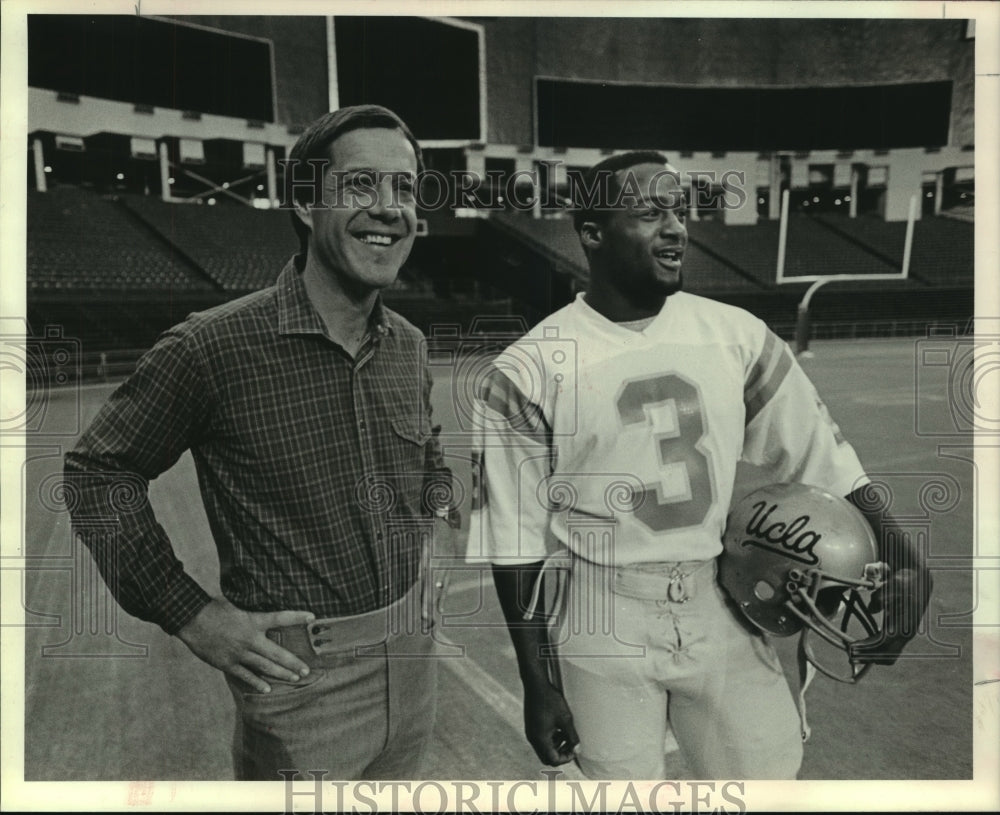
{"points": [[705, 269], [813, 249], [78, 241], [554, 238], [751, 250], [114, 272], [942, 252], [239, 248], [114, 321]]}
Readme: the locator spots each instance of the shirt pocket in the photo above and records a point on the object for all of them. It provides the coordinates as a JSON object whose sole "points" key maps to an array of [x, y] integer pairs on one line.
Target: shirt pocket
{"points": [[409, 439], [414, 429]]}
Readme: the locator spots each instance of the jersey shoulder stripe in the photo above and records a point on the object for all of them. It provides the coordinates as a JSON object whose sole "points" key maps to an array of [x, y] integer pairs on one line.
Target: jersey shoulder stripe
{"points": [[757, 371], [766, 375], [517, 412]]}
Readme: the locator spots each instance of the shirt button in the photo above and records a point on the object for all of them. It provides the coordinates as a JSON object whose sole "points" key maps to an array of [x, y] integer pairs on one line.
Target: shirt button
{"points": [[362, 426]]}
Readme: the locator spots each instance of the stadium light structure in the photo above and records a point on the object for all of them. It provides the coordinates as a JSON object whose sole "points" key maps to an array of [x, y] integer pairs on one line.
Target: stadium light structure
{"points": [[258, 163]]}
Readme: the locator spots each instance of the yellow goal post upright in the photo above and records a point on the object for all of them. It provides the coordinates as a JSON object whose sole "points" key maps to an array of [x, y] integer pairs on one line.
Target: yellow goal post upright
{"points": [[802, 322]]}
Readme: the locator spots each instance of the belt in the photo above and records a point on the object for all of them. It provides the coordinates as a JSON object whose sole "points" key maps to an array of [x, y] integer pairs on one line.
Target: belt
{"points": [[673, 582], [332, 635]]}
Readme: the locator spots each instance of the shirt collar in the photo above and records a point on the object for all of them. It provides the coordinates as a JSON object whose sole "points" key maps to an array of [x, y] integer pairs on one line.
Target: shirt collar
{"points": [[594, 316], [297, 315], [378, 320]]}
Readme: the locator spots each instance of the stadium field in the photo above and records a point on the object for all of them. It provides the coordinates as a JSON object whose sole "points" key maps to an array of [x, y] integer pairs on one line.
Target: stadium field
{"points": [[136, 705]]}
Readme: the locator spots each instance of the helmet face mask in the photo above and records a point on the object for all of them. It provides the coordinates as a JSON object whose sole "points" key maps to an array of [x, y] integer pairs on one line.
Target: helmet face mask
{"points": [[798, 559]]}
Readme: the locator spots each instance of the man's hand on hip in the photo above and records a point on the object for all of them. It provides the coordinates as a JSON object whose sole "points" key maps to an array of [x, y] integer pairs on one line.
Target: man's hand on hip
{"points": [[234, 641]]}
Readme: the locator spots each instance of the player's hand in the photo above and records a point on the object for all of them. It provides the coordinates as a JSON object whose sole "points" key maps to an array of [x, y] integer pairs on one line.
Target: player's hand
{"points": [[234, 641], [903, 601], [548, 724]]}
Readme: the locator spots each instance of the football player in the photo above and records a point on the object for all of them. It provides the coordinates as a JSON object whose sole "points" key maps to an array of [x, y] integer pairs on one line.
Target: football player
{"points": [[608, 447]]}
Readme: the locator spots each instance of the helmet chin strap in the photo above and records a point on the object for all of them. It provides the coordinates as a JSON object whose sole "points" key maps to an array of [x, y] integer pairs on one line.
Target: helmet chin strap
{"points": [[807, 672], [816, 622], [806, 653], [808, 666]]}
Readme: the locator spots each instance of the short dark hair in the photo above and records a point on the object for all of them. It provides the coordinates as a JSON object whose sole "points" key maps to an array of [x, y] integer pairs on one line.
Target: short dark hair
{"points": [[589, 201], [316, 140]]}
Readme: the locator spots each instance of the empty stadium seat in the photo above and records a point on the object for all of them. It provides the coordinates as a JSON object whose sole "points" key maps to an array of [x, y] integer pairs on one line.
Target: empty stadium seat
{"points": [[240, 248], [80, 241]]}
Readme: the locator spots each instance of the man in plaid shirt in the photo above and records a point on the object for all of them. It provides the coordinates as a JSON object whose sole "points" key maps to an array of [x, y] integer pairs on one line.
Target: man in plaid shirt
{"points": [[308, 419]]}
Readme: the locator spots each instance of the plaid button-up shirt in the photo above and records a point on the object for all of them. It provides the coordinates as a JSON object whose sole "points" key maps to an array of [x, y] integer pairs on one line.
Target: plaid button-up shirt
{"points": [[317, 471]]}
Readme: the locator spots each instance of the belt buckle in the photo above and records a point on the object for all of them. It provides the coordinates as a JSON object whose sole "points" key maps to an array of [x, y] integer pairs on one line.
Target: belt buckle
{"points": [[676, 589]]}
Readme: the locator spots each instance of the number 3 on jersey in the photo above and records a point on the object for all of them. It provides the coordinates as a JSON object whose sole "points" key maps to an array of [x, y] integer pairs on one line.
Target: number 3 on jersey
{"points": [[669, 407]]}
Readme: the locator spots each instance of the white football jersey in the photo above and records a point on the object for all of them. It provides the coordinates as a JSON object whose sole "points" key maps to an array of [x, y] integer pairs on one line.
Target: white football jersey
{"points": [[623, 445]]}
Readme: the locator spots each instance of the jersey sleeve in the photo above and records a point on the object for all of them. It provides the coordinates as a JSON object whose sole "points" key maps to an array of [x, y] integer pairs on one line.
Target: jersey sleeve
{"points": [[512, 458], [438, 493], [790, 434]]}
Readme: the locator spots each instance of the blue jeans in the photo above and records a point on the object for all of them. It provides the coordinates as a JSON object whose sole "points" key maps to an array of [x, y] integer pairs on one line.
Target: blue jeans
{"points": [[365, 711]]}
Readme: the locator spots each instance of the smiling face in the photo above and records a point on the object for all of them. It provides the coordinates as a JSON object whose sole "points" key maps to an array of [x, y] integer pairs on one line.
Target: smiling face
{"points": [[638, 247], [365, 232]]}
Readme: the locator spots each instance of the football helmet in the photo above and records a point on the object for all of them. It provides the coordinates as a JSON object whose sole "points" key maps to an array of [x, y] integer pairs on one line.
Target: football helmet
{"points": [[799, 559]]}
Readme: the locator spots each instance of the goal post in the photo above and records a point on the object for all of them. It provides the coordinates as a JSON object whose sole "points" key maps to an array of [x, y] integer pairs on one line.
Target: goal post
{"points": [[802, 321]]}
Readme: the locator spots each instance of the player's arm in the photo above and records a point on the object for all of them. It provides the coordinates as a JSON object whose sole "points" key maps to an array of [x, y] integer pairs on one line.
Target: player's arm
{"points": [[548, 723], [792, 435], [513, 454], [438, 491], [150, 420], [438, 498], [906, 594]]}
